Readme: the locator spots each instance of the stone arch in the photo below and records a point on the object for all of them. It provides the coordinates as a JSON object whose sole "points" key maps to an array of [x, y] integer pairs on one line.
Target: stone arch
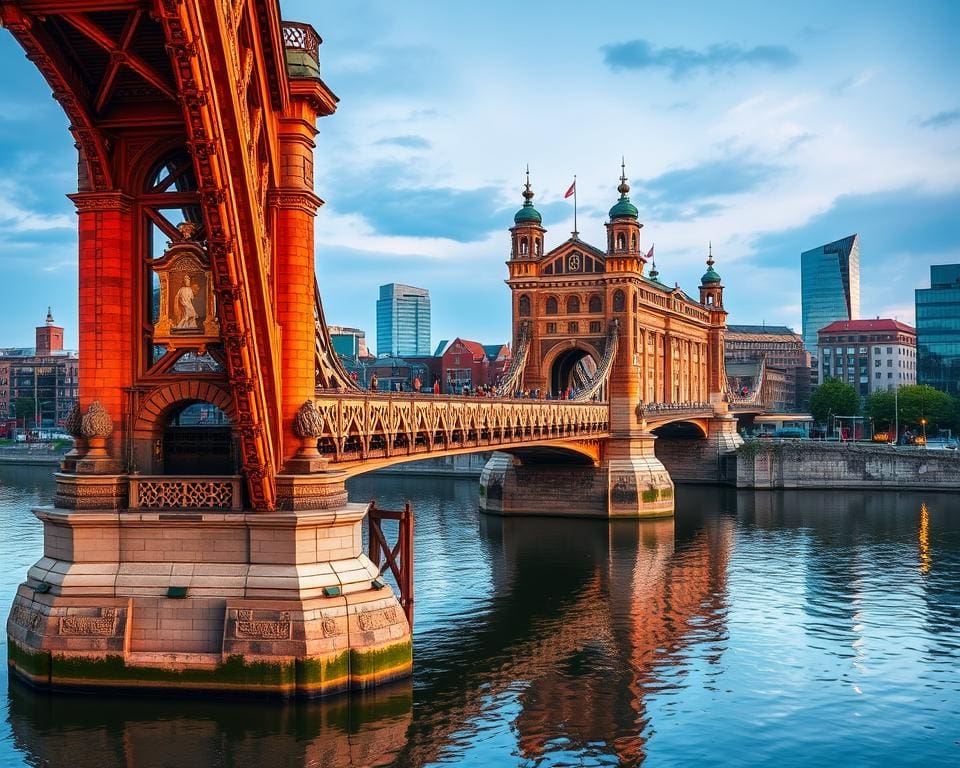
{"points": [[564, 356], [683, 429], [156, 407], [146, 159], [552, 306]]}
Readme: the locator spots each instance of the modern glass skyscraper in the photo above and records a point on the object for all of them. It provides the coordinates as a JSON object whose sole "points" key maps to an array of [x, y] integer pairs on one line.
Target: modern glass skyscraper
{"points": [[403, 321], [829, 287], [938, 329]]}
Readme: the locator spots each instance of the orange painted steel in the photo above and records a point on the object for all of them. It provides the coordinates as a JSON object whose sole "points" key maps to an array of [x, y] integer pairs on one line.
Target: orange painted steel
{"points": [[399, 557]]}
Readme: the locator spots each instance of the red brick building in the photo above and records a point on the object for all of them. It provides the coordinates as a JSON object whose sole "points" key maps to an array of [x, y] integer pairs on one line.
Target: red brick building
{"points": [[463, 363], [46, 374]]}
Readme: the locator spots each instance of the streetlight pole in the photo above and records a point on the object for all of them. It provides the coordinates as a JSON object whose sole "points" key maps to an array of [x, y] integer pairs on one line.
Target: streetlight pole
{"points": [[896, 414]]}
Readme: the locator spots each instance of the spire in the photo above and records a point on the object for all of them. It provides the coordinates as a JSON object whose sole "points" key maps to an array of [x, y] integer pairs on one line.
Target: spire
{"points": [[654, 275], [710, 276], [623, 207], [528, 214], [49, 316]]}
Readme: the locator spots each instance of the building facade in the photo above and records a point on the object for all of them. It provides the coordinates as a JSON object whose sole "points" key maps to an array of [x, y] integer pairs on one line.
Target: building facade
{"points": [[44, 376], [348, 342], [783, 351], [829, 287], [873, 355], [403, 320], [938, 329]]}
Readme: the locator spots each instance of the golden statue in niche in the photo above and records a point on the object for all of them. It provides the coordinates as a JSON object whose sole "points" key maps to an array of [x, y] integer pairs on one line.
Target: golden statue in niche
{"points": [[186, 316]]}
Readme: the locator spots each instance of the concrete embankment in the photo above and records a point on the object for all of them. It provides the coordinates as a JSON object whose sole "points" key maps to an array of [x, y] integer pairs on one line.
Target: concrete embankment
{"points": [[31, 456], [805, 464]]}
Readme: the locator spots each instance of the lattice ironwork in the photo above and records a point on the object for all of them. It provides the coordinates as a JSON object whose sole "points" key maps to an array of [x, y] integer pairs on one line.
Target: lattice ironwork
{"points": [[330, 371], [357, 427], [755, 396], [514, 374], [301, 37], [184, 493], [596, 382]]}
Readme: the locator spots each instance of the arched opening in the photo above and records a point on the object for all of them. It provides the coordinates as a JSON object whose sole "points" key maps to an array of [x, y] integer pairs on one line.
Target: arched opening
{"points": [[619, 301], [571, 371], [524, 306], [523, 247], [596, 304], [573, 305], [198, 440], [552, 307], [633, 242], [621, 241], [537, 247]]}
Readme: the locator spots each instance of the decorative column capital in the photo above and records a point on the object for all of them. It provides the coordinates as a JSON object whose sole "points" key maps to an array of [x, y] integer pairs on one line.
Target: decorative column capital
{"points": [[295, 199], [86, 202]]}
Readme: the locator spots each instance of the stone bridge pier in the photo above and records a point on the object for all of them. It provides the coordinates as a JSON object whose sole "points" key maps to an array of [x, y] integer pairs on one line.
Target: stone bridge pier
{"points": [[697, 451]]}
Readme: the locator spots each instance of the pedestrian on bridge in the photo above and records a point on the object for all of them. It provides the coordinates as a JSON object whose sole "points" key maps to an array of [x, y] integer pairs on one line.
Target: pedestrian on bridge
{"points": [[373, 383]]}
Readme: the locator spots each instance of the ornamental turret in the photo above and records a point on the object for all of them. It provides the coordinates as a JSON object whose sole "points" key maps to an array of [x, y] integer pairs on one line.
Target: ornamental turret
{"points": [[623, 232], [711, 289], [526, 236]]}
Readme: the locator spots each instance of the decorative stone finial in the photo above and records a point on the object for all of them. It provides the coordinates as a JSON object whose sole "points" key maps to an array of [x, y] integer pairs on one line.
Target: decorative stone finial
{"points": [[624, 188], [49, 316], [308, 422], [653, 271], [96, 422], [73, 423], [188, 230]]}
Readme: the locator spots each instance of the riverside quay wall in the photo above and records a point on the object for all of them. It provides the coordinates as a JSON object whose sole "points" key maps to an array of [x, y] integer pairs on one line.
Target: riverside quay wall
{"points": [[804, 464]]}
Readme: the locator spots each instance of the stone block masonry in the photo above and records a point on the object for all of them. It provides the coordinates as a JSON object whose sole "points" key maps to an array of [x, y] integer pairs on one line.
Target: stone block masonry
{"points": [[803, 464]]}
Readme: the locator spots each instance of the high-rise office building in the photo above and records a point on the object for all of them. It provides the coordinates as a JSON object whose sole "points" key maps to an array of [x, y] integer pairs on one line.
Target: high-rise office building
{"points": [[403, 320], [938, 329], [829, 287]]}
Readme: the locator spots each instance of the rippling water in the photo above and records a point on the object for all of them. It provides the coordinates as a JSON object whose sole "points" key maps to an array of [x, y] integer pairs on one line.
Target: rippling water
{"points": [[789, 629]]}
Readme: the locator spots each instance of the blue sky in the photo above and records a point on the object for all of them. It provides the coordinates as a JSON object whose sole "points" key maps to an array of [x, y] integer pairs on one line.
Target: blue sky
{"points": [[766, 128]]}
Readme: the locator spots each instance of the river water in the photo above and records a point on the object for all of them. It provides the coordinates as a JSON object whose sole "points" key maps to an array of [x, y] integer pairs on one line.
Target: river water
{"points": [[756, 629]]}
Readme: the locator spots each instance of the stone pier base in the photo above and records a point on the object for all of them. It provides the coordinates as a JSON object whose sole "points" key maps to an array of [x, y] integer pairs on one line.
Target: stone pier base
{"points": [[281, 603], [630, 482]]}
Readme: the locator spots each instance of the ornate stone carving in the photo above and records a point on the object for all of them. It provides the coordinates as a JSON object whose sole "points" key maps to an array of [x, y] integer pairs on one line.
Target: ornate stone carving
{"points": [[102, 624], [74, 422], [329, 627], [187, 316], [184, 494], [250, 628], [370, 620], [25, 617], [309, 421], [96, 422]]}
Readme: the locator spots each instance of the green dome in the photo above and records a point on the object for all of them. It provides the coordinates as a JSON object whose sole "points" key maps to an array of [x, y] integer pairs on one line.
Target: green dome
{"points": [[710, 276], [527, 215], [624, 207]]}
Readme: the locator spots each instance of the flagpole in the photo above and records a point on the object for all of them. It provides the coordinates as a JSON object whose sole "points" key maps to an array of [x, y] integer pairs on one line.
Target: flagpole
{"points": [[575, 232]]}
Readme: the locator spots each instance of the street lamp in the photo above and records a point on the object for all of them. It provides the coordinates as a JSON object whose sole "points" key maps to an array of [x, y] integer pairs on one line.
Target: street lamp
{"points": [[923, 426]]}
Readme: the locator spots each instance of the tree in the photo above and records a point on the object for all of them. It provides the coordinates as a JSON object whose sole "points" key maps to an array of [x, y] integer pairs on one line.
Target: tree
{"points": [[25, 408], [915, 402], [834, 398]]}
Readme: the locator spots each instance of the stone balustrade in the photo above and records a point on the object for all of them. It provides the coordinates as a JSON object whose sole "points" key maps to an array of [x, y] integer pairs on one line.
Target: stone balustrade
{"points": [[185, 492]]}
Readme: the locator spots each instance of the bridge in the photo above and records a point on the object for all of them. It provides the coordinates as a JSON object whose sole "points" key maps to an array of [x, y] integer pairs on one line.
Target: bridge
{"points": [[201, 535]]}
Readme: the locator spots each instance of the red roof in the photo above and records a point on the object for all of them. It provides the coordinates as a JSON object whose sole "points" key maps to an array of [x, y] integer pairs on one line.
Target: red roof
{"points": [[473, 347], [885, 324]]}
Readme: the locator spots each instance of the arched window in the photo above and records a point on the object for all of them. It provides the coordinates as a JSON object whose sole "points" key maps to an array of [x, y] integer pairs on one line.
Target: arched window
{"points": [[552, 307], [596, 305], [523, 247], [619, 300], [710, 300], [573, 305], [621, 241], [537, 246], [524, 306], [633, 242]]}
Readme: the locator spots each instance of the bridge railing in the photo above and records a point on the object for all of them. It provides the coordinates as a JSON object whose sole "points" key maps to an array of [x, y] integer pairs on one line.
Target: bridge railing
{"points": [[360, 427], [653, 410], [186, 492]]}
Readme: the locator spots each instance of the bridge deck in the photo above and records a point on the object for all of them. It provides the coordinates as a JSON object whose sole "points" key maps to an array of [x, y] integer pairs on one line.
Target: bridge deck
{"points": [[365, 427]]}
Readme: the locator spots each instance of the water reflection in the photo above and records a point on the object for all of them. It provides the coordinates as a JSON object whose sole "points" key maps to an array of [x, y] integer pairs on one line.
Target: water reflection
{"points": [[736, 630], [87, 732]]}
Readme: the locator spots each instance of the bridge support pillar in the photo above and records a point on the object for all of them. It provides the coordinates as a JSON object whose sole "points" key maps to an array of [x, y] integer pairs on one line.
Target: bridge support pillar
{"points": [[281, 603], [629, 482]]}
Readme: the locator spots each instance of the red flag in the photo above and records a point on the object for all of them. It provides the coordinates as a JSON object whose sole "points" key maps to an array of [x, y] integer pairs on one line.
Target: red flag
{"points": [[573, 188], [649, 254]]}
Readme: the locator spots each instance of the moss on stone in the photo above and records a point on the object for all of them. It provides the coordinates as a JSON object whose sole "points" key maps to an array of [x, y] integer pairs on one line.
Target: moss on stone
{"points": [[370, 662], [649, 496], [35, 664]]}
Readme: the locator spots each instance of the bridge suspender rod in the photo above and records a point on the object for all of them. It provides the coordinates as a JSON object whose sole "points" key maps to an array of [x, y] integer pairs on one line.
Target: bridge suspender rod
{"points": [[399, 558]]}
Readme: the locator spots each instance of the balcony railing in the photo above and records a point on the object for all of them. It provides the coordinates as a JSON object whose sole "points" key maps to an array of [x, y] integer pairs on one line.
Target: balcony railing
{"points": [[186, 492], [302, 37]]}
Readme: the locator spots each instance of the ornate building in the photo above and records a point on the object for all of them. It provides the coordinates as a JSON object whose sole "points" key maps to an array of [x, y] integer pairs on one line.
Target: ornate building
{"points": [[577, 300]]}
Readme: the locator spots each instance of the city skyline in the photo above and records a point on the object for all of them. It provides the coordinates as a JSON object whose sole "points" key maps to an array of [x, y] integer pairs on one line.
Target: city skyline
{"points": [[737, 131]]}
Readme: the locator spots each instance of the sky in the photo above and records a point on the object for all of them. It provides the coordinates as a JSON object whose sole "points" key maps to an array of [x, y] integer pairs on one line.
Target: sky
{"points": [[764, 128]]}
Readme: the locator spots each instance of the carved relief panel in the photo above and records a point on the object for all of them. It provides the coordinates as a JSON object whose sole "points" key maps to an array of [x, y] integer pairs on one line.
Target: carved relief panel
{"points": [[187, 316]]}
